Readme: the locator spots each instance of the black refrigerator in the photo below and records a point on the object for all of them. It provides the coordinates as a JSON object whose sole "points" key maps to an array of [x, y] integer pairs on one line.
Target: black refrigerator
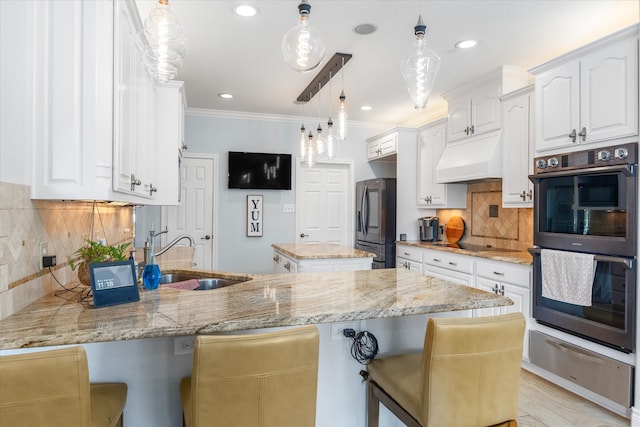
{"points": [[376, 220]]}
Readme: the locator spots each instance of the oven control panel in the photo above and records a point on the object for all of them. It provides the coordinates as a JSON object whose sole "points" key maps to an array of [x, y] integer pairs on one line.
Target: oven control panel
{"points": [[625, 154]]}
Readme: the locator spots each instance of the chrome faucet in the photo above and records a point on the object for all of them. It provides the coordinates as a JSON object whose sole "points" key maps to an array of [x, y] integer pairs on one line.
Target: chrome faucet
{"points": [[174, 241]]}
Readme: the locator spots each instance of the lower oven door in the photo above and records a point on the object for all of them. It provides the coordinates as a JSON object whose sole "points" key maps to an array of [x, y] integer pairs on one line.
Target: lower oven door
{"points": [[610, 320]]}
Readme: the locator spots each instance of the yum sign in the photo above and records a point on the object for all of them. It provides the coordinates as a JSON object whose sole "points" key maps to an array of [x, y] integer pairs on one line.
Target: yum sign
{"points": [[254, 216]]}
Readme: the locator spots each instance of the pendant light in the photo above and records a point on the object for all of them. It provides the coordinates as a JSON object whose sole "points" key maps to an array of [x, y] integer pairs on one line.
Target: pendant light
{"points": [[302, 46], [310, 149], [332, 140], [303, 144], [166, 42], [342, 112], [420, 68]]}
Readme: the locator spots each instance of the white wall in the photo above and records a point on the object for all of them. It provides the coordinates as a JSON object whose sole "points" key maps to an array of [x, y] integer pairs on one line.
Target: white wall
{"points": [[209, 132]]}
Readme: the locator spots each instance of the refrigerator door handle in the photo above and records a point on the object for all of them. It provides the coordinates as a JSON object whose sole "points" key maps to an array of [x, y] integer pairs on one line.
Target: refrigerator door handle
{"points": [[365, 209]]}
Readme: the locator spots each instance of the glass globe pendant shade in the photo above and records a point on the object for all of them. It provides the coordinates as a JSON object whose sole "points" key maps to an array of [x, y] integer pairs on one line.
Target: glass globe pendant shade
{"points": [[320, 144], [166, 42], [420, 68], [311, 153], [342, 118], [303, 144], [332, 141], [302, 46]]}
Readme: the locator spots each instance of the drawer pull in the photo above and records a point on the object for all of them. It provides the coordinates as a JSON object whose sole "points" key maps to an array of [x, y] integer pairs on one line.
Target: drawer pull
{"points": [[453, 263], [407, 254], [437, 260], [497, 273]]}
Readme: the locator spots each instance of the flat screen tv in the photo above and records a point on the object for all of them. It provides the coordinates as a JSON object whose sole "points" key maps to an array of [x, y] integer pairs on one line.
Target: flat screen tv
{"points": [[261, 171]]}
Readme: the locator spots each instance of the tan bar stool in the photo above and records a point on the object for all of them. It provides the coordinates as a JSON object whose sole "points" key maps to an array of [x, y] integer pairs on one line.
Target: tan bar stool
{"points": [[468, 374], [51, 389], [266, 379]]}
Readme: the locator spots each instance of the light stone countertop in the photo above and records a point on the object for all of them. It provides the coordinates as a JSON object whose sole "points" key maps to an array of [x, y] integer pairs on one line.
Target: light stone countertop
{"points": [[320, 251], [515, 257], [264, 301]]}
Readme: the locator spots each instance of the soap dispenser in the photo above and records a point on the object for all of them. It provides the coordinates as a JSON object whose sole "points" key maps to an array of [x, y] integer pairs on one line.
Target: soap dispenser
{"points": [[151, 273]]}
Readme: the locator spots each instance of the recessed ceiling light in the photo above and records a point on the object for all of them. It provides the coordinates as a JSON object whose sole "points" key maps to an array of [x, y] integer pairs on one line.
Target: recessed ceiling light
{"points": [[245, 10], [366, 108], [466, 44], [364, 29], [225, 95]]}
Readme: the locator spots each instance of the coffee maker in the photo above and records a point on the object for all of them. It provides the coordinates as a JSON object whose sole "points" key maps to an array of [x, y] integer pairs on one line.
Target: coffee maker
{"points": [[428, 227]]}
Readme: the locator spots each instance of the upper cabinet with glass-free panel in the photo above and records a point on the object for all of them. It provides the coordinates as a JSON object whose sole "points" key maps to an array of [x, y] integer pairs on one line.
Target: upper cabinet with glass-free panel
{"points": [[589, 95]]}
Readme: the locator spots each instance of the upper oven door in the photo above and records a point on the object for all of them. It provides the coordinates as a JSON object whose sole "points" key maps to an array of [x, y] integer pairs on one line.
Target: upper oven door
{"points": [[589, 210]]}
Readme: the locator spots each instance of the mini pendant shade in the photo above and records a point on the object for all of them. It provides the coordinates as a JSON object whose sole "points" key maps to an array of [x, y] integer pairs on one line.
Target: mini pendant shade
{"points": [[166, 42], [332, 142], [311, 152], [420, 68], [302, 46], [342, 118]]}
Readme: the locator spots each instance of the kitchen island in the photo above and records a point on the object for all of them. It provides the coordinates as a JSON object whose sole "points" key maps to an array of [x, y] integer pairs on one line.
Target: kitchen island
{"points": [[319, 257], [261, 302]]}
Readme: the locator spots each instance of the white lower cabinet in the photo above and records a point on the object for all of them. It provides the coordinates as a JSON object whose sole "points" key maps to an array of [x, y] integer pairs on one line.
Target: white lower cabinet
{"points": [[450, 267], [511, 280], [409, 258], [285, 264]]}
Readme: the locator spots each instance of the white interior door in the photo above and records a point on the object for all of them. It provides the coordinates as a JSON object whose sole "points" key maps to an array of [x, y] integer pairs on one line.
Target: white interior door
{"points": [[324, 203], [195, 213]]}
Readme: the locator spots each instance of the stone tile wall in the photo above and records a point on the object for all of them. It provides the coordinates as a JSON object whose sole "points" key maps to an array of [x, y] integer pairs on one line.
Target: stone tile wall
{"points": [[512, 228], [62, 226]]}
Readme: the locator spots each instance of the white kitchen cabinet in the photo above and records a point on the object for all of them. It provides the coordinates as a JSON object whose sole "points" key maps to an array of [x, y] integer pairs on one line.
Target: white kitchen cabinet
{"points": [[94, 115], [517, 148], [134, 115], [453, 268], [381, 146], [510, 280], [170, 141], [589, 95], [283, 264], [409, 258], [287, 264], [474, 108], [431, 142]]}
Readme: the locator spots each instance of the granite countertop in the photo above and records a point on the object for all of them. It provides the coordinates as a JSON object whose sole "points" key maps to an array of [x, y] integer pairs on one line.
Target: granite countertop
{"points": [[263, 301], [320, 251], [515, 257]]}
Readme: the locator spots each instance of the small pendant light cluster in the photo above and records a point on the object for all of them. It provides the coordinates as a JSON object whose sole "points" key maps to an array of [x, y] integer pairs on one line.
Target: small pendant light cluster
{"points": [[166, 42], [420, 68]]}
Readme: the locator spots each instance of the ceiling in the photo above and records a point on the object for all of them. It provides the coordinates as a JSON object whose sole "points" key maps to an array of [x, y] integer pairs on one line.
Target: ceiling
{"points": [[242, 56]]}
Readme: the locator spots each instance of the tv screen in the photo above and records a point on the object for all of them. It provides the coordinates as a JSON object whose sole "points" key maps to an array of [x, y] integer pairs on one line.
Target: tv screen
{"points": [[263, 171]]}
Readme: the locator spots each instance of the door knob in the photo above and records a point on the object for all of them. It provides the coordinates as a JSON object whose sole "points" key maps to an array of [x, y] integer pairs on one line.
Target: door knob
{"points": [[207, 237], [303, 235]]}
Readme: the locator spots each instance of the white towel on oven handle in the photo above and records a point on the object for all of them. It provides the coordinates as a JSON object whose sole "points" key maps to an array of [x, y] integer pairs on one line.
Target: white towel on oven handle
{"points": [[567, 276]]}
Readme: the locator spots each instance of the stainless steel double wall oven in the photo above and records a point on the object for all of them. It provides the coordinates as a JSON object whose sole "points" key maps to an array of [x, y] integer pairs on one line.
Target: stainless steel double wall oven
{"points": [[586, 202]]}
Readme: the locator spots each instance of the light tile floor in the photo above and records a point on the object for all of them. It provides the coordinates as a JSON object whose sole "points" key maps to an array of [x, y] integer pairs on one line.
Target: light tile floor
{"points": [[543, 404]]}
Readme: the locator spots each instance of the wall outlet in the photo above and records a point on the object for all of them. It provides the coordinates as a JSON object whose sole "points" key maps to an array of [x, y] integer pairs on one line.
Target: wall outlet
{"points": [[183, 345], [44, 249], [288, 207], [337, 328]]}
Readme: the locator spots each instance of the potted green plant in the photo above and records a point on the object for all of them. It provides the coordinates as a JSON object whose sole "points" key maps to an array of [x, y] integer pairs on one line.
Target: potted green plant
{"points": [[95, 252]]}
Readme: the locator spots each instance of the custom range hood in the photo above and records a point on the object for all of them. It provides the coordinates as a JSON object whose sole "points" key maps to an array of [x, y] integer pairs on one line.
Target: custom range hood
{"points": [[472, 159]]}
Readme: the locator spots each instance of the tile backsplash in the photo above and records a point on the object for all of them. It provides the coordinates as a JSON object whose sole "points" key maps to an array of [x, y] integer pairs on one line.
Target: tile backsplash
{"points": [[487, 223], [62, 226]]}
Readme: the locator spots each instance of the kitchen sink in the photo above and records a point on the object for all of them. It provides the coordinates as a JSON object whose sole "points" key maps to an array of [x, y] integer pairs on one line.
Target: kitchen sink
{"points": [[206, 282]]}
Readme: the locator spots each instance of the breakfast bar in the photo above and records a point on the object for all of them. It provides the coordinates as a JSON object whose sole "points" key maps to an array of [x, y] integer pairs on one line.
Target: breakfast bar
{"points": [[264, 301]]}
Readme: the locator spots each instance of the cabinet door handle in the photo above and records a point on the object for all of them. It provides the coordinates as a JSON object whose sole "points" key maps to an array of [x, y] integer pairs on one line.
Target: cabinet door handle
{"points": [[134, 182], [495, 289], [437, 260], [502, 290], [276, 258], [530, 194], [572, 135], [497, 273], [583, 134], [453, 263], [466, 130], [472, 130], [287, 266], [152, 189], [524, 195]]}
